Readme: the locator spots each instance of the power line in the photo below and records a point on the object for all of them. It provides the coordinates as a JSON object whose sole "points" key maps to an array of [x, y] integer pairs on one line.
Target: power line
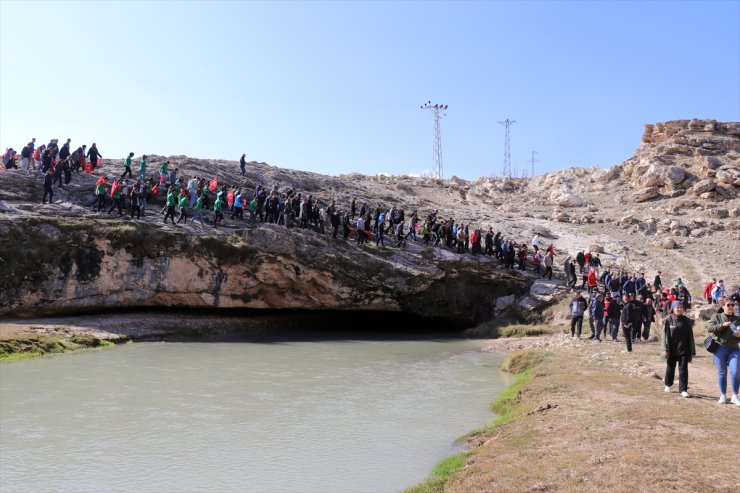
{"points": [[507, 147], [437, 138], [533, 160]]}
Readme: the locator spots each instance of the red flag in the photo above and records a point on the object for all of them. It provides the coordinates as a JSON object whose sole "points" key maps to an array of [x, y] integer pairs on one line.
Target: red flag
{"points": [[155, 190], [114, 188], [213, 184], [100, 180], [230, 198]]}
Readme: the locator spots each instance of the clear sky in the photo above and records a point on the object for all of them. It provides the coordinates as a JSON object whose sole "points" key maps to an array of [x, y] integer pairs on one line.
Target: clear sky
{"points": [[335, 87]]}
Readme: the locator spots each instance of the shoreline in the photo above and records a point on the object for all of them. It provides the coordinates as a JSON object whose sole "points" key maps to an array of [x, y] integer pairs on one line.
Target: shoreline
{"points": [[23, 337], [585, 417]]}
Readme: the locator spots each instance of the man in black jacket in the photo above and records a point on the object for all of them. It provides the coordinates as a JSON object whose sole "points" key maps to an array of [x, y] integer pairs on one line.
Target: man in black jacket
{"points": [[93, 154], [627, 318], [48, 180], [678, 347]]}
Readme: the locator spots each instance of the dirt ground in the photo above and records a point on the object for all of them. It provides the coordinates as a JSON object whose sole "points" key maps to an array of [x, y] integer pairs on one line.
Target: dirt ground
{"points": [[596, 419]]}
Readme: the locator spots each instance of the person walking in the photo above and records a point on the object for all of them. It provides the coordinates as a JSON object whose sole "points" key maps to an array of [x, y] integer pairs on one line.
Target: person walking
{"points": [[243, 165], [93, 154], [548, 266], [135, 203], [48, 190], [127, 165], [115, 194], [678, 347], [198, 211], [597, 315], [170, 206], [218, 207], [578, 307], [626, 318], [183, 203], [724, 327]]}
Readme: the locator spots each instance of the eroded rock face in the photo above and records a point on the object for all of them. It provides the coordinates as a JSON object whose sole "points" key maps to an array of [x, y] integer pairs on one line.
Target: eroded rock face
{"points": [[680, 154], [69, 266]]}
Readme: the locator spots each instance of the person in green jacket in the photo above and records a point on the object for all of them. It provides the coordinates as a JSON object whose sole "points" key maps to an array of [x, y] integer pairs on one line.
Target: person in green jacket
{"points": [[163, 172], [198, 211], [253, 210], [100, 193], [183, 208], [218, 208], [116, 195], [127, 165], [725, 329], [170, 205], [142, 168]]}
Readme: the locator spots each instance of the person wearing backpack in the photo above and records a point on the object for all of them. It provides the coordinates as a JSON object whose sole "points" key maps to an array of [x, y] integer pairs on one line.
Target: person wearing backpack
{"points": [[578, 307]]}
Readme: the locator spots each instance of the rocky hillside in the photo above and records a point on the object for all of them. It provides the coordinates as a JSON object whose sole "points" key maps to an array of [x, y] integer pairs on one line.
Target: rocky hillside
{"points": [[673, 206]]}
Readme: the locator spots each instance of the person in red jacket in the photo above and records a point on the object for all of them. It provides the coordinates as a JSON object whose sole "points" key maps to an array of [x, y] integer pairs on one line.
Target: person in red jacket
{"points": [[592, 280], [708, 291]]}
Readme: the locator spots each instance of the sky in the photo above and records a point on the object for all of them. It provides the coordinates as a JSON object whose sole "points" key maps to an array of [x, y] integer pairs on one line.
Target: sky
{"points": [[336, 87]]}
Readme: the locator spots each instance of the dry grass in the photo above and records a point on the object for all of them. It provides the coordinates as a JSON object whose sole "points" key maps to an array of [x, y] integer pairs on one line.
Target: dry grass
{"points": [[609, 427]]}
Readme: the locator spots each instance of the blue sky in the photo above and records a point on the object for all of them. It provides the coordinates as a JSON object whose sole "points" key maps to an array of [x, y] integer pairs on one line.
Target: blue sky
{"points": [[335, 87]]}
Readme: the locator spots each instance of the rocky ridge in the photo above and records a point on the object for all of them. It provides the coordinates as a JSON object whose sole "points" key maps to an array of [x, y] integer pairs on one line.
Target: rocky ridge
{"points": [[672, 206]]}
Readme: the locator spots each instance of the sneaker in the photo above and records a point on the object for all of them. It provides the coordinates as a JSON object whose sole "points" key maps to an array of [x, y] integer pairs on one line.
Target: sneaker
{"points": [[686, 394], [722, 399], [666, 389], [626, 351], [597, 340], [735, 400]]}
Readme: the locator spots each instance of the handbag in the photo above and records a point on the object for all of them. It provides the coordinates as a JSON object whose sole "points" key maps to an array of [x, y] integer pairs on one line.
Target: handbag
{"points": [[710, 344]]}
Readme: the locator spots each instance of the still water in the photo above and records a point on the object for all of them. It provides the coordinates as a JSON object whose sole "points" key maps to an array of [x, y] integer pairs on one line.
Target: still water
{"points": [[332, 416]]}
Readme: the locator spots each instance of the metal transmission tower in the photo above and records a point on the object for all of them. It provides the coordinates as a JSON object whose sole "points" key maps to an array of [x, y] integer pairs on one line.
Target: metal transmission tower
{"points": [[507, 147], [437, 142], [532, 161]]}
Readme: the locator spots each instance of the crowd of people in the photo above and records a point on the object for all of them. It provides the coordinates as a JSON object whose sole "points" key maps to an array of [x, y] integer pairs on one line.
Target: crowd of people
{"points": [[630, 301], [614, 299]]}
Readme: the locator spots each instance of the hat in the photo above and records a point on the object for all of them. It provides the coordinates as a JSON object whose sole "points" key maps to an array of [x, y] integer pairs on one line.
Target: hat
{"points": [[675, 304]]}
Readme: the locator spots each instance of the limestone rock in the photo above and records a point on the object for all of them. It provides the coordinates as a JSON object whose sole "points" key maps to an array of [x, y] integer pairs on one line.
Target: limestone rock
{"points": [[666, 243], [564, 198], [703, 186], [661, 175], [719, 213], [729, 175], [645, 195]]}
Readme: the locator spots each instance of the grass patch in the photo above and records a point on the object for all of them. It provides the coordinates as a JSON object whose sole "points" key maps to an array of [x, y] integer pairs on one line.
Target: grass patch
{"points": [[441, 474], [521, 361], [32, 346], [519, 330]]}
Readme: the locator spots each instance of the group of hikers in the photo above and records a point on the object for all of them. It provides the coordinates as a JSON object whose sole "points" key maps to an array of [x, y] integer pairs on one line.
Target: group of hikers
{"points": [[618, 299], [55, 163], [614, 298]]}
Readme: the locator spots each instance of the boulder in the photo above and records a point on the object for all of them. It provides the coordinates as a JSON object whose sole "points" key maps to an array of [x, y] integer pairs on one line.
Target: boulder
{"points": [[703, 186], [645, 194], [718, 213], [564, 198], [596, 248], [666, 243], [729, 175], [662, 175]]}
